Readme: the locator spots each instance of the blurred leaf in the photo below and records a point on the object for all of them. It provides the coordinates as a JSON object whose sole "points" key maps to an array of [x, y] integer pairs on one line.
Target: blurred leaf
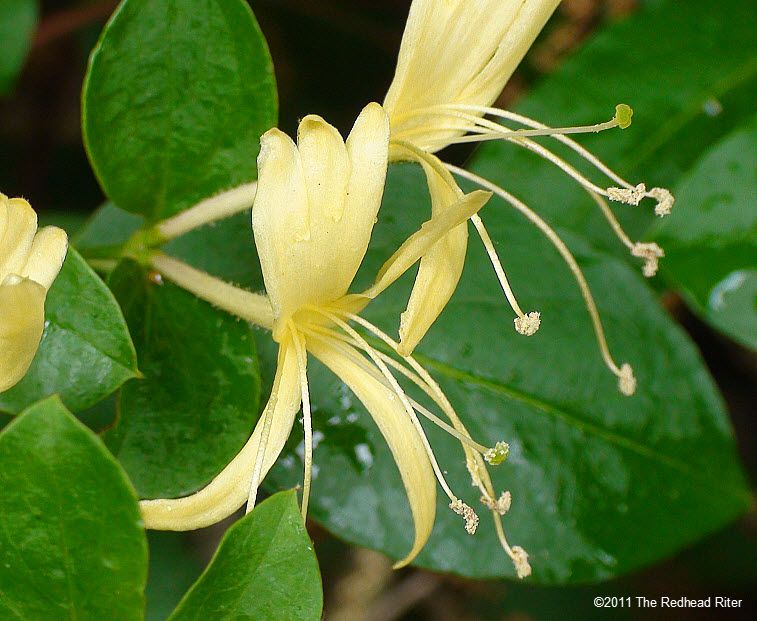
{"points": [[593, 474], [688, 71], [18, 20], [710, 240], [71, 542], [176, 97], [195, 408], [86, 352], [265, 568], [174, 567]]}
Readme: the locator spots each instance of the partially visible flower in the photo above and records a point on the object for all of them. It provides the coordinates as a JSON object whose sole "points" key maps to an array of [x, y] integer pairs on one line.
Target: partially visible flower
{"points": [[455, 58], [29, 263], [313, 215]]}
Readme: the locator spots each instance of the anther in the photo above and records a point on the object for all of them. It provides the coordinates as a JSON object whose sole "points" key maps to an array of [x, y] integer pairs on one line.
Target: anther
{"points": [[629, 196], [528, 324], [520, 560], [664, 200], [497, 454], [468, 514], [501, 505], [651, 253], [626, 380], [623, 114]]}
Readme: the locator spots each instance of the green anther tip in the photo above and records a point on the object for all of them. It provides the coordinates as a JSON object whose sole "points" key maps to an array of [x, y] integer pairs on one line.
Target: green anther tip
{"points": [[498, 454], [623, 114]]}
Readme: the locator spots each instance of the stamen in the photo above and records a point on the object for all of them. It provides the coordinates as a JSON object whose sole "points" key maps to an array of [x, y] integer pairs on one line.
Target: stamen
{"points": [[307, 421], [464, 439], [621, 119], [498, 454], [629, 196], [264, 436], [467, 513], [626, 380], [520, 559], [664, 200], [569, 260], [524, 324], [478, 473], [499, 506], [527, 325], [651, 253], [372, 353]]}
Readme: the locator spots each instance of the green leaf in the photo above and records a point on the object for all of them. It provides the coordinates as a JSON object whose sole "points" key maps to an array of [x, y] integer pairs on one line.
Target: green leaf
{"points": [[174, 567], [195, 408], [689, 78], [71, 542], [177, 95], [18, 19], [602, 484], [86, 352], [265, 568], [710, 241]]}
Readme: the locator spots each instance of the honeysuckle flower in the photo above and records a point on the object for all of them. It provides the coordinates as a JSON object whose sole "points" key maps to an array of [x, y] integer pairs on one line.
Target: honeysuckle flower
{"points": [[454, 60], [313, 214], [30, 260]]}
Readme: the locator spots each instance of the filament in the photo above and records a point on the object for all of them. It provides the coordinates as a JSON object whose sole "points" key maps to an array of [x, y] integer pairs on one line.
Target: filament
{"points": [[307, 421], [621, 372]]}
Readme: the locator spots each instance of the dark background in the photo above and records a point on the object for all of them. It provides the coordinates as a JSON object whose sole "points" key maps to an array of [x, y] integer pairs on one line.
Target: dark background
{"points": [[318, 46]]}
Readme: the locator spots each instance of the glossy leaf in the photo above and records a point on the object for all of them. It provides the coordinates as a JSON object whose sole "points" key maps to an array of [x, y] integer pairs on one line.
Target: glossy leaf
{"points": [[18, 19], [176, 97], [264, 568], [711, 242], [602, 484], [198, 400], [86, 351], [71, 542]]}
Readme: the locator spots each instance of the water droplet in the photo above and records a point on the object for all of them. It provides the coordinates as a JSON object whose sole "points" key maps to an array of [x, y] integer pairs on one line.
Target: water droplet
{"points": [[712, 107]]}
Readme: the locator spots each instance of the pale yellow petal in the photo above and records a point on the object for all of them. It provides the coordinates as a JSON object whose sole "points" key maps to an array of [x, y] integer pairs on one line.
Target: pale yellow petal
{"points": [[22, 319], [231, 488], [46, 256], [315, 208], [458, 52], [419, 244], [281, 223], [398, 431], [440, 267], [18, 224]]}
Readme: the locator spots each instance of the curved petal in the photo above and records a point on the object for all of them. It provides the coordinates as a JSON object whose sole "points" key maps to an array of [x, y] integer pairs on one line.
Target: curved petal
{"points": [[18, 224], [22, 320], [316, 206], [420, 243], [398, 431], [46, 256], [231, 488], [440, 267]]}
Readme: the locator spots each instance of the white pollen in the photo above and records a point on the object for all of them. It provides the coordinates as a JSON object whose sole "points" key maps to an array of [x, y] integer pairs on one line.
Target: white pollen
{"points": [[501, 505], [651, 253], [468, 514], [528, 324], [632, 196], [626, 380], [520, 560], [664, 200]]}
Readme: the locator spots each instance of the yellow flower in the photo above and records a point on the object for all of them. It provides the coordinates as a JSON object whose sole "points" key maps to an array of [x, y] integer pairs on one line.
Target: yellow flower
{"points": [[313, 215], [454, 60], [29, 263]]}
